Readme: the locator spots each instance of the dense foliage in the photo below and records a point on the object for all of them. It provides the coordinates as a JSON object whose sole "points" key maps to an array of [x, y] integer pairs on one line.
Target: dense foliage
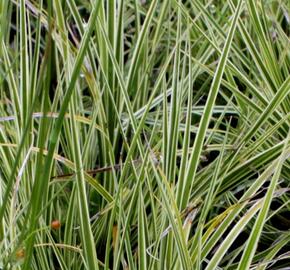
{"points": [[144, 134]]}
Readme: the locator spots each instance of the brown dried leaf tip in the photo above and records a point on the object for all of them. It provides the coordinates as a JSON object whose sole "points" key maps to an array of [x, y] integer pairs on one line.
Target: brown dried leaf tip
{"points": [[20, 253], [55, 224]]}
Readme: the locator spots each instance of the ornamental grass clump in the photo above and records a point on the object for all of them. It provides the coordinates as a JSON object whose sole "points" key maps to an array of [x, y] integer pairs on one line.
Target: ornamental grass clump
{"points": [[144, 134]]}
